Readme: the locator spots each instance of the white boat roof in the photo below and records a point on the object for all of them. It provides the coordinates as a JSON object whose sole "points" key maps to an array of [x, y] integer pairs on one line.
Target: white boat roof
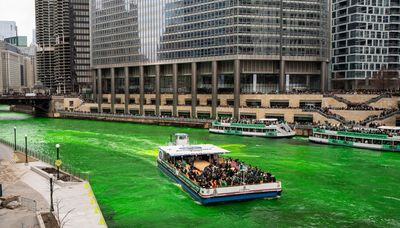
{"points": [[389, 128], [269, 119], [190, 150]]}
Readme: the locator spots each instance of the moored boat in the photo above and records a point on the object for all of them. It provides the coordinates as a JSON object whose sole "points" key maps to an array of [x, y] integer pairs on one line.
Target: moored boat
{"points": [[383, 138], [270, 128], [210, 178]]}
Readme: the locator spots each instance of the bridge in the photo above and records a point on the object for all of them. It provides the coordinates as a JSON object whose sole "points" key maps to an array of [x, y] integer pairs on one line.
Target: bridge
{"points": [[40, 104]]}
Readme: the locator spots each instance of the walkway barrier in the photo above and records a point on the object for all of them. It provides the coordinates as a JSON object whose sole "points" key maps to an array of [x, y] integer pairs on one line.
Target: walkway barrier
{"points": [[49, 160], [125, 116], [30, 204]]}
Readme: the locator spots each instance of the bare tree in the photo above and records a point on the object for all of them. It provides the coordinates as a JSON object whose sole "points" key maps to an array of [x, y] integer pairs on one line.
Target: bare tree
{"points": [[62, 220]]}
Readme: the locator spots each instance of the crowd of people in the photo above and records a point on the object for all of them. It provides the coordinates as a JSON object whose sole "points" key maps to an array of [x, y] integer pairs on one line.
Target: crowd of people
{"points": [[371, 129], [361, 107], [222, 172], [243, 121], [366, 91]]}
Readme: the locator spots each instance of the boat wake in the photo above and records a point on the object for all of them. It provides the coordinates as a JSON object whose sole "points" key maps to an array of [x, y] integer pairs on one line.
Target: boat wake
{"points": [[390, 197]]}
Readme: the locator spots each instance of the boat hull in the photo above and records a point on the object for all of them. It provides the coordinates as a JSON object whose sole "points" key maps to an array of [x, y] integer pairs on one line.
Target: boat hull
{"points": [[217, 199], [352, 144], [253, 134]]}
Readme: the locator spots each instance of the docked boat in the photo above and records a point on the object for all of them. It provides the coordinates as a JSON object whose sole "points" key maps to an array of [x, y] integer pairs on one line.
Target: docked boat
{"points": [[270, 128], [210, 178], [383, 138]]}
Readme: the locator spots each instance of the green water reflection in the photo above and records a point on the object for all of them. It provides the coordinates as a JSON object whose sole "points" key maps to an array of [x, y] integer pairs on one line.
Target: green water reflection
{"points": [[322, 185]]}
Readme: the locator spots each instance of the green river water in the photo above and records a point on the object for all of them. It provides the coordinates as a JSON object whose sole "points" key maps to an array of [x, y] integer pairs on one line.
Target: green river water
{"points": [[323, 186]]}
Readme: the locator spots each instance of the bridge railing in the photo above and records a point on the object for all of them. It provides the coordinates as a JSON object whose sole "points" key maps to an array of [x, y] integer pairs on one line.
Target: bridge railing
{"points": [[49, 160]]}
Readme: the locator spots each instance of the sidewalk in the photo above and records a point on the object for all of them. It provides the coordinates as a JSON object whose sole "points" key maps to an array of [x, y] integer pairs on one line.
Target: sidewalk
{"points": [[75, 201]]}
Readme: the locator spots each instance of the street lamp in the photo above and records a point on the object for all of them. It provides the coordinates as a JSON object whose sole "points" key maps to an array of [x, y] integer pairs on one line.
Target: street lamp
{"points": [[58, 158], [26, 150], [15, 138], [51, 193]]}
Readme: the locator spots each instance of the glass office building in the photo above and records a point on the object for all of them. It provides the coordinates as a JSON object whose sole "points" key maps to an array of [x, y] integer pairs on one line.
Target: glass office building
{"points": [[210, 47], [366, 41]]}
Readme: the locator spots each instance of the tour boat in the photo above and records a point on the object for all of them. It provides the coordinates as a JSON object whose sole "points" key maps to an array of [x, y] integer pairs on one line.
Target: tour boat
{"points": [[269, 128], [383, 138], [199, 158]]}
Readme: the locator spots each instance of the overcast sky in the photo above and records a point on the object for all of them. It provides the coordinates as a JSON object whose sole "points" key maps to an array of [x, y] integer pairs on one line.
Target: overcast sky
{"points": [[22, 12]]}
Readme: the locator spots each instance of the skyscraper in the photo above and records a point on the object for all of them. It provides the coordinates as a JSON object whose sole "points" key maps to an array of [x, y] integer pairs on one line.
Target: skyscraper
{"points": [[366, 41], [62, 34], [208, 47], [7, 29]]}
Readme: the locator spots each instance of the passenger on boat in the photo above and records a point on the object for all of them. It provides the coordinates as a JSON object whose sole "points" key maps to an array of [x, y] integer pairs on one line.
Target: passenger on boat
{"points": [[222, 172]]}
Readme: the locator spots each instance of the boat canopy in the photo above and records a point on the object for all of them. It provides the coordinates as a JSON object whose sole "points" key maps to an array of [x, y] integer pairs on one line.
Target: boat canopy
{"points": [[192, 150], [389, 128], [269, 119]]}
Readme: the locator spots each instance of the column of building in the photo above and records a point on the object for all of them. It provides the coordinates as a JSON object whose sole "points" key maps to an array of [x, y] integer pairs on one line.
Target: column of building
{"points": [[100, 91], [175, 90], [194, 90], [141, 86], [236, 79], [112, 90], [126, 90], [282, 81], [214, 90], [158, 92], [323, 76]]}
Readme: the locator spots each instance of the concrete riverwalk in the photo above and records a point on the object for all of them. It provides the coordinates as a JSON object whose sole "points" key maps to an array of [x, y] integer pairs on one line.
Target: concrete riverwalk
{"points": [[73, 201]]}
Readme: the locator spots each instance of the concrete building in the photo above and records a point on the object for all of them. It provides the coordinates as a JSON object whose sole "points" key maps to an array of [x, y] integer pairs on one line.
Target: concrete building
{"points": [[165, 57], [63, 55], [366, 42], [7, 29], [17, 71], [33, 36], [19, 41]]}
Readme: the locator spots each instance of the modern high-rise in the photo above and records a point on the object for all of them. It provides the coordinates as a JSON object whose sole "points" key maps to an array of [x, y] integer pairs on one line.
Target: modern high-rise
{"points": [[63, 54], [7, 29], [366, 42], [156, 56]]}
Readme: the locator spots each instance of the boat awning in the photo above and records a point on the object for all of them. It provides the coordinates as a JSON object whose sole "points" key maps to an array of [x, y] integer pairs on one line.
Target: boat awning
{"points": [[192, 150], [389, 128], [269, 119]]}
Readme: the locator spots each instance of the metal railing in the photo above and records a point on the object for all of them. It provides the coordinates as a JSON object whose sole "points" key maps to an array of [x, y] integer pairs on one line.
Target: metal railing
{"points": [[336, 117], [128, 116], [378, 118], [49, 160], [30, 204]]}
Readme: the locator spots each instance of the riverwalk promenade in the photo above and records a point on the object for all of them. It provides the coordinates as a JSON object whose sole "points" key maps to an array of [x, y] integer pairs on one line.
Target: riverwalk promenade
{"points": [[75, 202]]}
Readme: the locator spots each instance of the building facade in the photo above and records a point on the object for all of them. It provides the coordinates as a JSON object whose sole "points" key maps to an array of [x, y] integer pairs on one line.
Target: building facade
{"points": [[17, 71], [63, 55], [153, 53], [19, 41], [366, 42], [7, 29]]}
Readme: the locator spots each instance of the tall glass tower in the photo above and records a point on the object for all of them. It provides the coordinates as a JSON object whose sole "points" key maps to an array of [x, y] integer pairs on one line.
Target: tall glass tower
{"points": [[208, 47]]}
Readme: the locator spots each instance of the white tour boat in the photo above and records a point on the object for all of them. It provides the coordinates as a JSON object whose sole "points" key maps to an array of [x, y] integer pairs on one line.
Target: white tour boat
{"points": [[270, 128], [191, 166], [383, 138]]}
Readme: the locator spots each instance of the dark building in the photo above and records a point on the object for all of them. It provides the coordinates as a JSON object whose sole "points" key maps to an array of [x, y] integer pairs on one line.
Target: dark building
{"points": [[63, 55], [170, 48]]}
